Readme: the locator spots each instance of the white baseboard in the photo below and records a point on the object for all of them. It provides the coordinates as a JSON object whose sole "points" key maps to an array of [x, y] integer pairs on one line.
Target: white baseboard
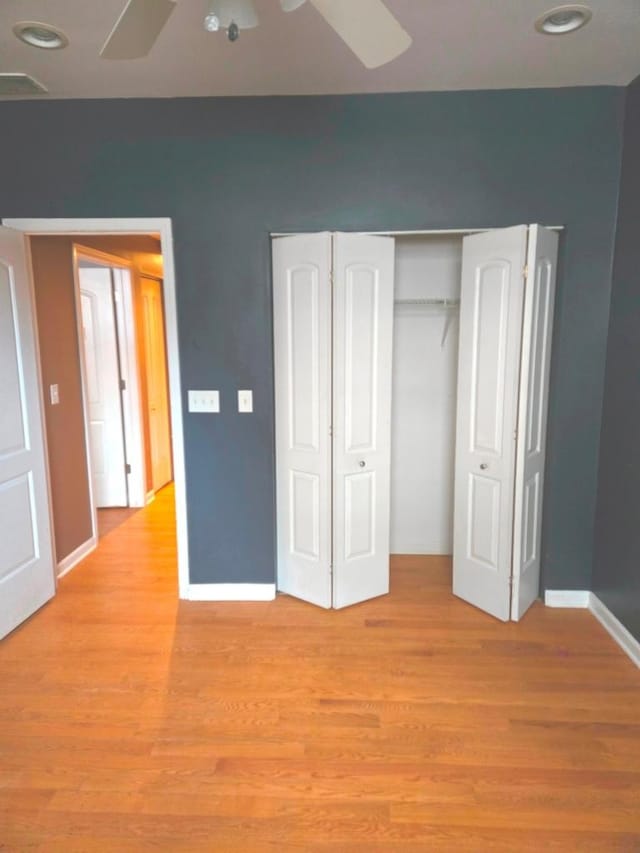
{"points": [[231, 592], [67, 563], [614, 626], [567, 598], [588, 600]]}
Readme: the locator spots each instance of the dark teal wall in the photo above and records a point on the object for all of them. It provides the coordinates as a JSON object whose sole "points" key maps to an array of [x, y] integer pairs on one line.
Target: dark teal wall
{"points": [[616, 574], [229, 171]]}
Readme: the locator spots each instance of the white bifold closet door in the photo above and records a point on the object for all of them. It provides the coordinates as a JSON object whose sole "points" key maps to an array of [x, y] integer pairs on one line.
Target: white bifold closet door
{"points": [[506, 318], [26, 554], [333, 320]]}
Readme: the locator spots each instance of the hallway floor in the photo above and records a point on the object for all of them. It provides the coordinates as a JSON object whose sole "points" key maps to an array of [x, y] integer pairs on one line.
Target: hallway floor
{"points": [[130, 721]]}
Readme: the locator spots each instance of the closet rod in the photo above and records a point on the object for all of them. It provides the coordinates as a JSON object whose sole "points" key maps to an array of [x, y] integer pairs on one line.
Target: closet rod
{"points": [[447, 303]]}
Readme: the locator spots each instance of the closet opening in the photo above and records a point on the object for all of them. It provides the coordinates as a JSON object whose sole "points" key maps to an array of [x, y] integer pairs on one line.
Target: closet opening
{"points": [[423, 393], [411, 380]]}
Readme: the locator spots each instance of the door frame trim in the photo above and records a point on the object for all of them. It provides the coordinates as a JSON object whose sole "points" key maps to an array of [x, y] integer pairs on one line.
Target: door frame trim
{"points": [[163, 227]]}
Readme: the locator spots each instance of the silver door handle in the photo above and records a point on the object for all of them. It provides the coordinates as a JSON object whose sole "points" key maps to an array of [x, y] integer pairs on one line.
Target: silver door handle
{"points": [[484, 466], [362, 463]]}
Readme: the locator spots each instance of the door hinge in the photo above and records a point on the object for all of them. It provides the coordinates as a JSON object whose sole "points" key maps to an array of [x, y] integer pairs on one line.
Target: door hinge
{"points": [[525, 271], [127, 468], [123, 385], [331, 431]]}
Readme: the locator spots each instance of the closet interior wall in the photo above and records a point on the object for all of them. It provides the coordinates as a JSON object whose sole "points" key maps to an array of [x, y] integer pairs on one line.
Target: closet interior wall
{"points": [[423, 420]]}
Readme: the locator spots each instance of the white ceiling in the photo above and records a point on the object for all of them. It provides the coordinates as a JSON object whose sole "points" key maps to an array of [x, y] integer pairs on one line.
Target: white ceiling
{"points": [[457, 44]]}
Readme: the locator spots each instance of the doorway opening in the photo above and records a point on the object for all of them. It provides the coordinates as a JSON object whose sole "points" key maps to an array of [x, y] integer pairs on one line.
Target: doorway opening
{"points": [[119, 300], [136, 253], [111, 375]]}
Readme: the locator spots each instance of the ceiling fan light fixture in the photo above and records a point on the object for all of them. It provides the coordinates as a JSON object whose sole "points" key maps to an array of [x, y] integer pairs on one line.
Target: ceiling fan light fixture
{"points": [[212, 22], [563, 19], [38, 34]]}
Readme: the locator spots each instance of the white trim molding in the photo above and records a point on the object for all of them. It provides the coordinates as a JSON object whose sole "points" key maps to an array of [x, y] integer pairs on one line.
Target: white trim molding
{"points": [[567, 598], [586, 600], [231, 592], [71, 560], [615, 628]]}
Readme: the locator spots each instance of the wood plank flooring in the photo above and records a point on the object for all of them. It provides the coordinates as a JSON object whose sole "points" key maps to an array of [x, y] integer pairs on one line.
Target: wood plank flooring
{"points": [[130, 721], [112, 517]]}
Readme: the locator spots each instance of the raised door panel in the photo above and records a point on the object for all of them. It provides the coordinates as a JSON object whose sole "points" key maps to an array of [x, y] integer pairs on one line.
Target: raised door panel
{"points": [[302, 341], [26, 555], [488, 373]]}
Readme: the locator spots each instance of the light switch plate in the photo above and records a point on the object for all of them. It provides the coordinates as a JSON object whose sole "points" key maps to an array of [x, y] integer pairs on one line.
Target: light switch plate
{"points": [[245, 401], [204, 401], [54, 394]]}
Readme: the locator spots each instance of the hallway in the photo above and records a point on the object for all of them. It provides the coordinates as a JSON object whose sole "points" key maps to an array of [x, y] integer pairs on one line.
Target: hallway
{"points": [[132, 721]]}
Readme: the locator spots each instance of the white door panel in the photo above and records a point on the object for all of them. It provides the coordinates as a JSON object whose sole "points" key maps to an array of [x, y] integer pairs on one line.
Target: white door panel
{"points": [[157, 389], [302, 353], [26, 556], [488, 373], [532, 416], [102, 387], [362, 351]]}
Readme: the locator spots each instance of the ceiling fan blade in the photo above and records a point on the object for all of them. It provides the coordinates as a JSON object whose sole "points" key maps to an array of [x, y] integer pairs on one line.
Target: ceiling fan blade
{"points": [[137, 29], [367, 27], [290, 5]]}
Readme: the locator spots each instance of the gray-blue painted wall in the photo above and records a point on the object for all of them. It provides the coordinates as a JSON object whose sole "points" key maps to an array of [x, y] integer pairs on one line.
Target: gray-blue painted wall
{"points": [[616, 574], [229, 171]]}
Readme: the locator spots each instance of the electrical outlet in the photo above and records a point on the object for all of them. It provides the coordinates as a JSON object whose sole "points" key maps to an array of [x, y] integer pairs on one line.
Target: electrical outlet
{"points": [[204, 401]]}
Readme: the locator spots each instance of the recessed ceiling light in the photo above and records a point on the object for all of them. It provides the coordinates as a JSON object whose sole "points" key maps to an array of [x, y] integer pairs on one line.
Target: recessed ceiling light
{"points": [[563, 19], [37, 34]]}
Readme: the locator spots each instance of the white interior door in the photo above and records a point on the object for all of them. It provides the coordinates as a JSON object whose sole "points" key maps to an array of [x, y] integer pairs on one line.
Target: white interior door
{"points": [[26, 554], [302, 362], [362, 352], [532, 416], [157, 393], [102, 387], [488, 373]]}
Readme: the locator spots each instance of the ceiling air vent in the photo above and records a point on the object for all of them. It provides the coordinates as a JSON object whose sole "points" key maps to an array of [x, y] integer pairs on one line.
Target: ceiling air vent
{"points": [[20, 84]]}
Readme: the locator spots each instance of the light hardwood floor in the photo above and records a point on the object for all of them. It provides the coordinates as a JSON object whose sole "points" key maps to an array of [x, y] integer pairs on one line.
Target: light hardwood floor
{"points": [[131, 721]]}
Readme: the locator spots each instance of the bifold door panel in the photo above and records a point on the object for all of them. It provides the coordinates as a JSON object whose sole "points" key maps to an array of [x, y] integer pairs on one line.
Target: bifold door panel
{"points": [[362, 350], [302, 354], [505, 334], [26, 556], [333, 304], [537, 330]]}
